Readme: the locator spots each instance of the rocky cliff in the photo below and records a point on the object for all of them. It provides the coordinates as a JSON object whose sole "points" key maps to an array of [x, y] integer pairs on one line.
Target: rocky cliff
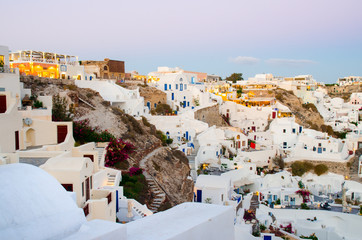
{"points": [[170, 168], [306, 115]]}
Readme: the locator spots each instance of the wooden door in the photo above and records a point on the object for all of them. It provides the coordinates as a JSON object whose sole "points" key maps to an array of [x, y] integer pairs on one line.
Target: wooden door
{"points": [[17, 140], [2, 103], [62, 131]]}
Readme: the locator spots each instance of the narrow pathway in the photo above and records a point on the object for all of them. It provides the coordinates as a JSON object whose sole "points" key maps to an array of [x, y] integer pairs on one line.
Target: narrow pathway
{"points": [[158, 195]]}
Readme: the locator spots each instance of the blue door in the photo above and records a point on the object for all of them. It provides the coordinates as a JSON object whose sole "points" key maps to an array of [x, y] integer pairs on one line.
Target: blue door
{"points": [[187, 135], [172, 96], [184, 104], [149, 105], [181, 87], [300, 129], [319, 150], [165, 86], [292, 201], [199, 196]]}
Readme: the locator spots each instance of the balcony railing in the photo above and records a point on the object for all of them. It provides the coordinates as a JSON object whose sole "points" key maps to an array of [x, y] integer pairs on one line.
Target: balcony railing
{"points": [[6, 69]]}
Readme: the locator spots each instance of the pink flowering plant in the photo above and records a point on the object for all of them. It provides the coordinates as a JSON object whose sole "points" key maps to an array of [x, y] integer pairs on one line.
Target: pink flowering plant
{"points": [[304, 193], [117, 151], [83, 133], [133, 171]]}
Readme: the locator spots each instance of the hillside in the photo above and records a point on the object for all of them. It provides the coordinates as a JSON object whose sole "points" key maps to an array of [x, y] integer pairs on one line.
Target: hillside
{"points": [[306, 115], [88, 104]]}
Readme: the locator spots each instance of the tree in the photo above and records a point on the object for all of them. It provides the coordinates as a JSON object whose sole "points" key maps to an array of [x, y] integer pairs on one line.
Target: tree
{"points": [[235, 77], [60, 111]]}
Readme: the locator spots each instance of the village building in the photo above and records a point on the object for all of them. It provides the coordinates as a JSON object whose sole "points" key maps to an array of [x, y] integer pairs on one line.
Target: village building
{"points": [[351, 80], [107, 69], [128, 100], [47, 64]]}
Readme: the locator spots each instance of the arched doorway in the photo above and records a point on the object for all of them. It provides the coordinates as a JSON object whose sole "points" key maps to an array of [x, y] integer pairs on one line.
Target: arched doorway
{"points": [[30, 137]]}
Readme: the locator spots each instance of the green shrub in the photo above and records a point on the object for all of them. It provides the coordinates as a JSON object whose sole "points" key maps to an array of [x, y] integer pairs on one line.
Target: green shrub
{"points": [[320, 169], [299, 167], [262, 227], [146, 122], [338, 201], [38, 104], [60, 111], [304, 206], [163, 109]]}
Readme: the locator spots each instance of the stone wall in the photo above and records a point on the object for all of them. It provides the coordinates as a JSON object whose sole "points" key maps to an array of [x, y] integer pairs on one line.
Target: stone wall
{"points": [[29, 80], [211, 116]]}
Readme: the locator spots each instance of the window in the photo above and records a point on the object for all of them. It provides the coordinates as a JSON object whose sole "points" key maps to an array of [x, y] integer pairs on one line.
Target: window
{"points": [[82, 189], [293, 130], [185, 86], [319, 144], [222, 197], [275, 197], [284, 130], [169, 86], [176, 86], [286, 198], [324, 149]]}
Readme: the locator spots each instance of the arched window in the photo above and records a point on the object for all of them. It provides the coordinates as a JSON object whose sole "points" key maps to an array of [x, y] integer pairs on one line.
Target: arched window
{"points": [[105, 68]]}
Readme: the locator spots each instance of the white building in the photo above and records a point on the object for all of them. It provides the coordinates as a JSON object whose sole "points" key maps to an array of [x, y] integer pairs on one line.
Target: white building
{"points": [[128, 100]]}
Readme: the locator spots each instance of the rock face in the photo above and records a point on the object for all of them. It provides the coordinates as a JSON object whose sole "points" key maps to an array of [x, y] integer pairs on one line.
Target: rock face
{"points": [[211, 116], [170, 168], [306, 116]]}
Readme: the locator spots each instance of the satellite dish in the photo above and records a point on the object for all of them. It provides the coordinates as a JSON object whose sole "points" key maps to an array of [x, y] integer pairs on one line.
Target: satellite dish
{"points": [[28, 121]]}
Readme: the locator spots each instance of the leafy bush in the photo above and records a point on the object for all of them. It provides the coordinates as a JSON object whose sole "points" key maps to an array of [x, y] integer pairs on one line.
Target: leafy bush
{"points": [[277, 202], [312, 237], [135, 187], [60, 111], [304, 206], [279, 161], [135, 171], [299, 167], [146, 122], [163, 109], [262, 227], [338, 201], [84, 133], [38, 104], [320, 169], [117, 151]]}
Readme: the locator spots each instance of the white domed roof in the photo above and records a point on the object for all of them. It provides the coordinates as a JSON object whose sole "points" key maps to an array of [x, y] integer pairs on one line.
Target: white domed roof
{"points": [[33, 205]]}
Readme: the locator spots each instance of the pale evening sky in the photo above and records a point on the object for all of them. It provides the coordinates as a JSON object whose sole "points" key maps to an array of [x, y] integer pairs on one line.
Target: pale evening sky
{"points": [[282, 37]]}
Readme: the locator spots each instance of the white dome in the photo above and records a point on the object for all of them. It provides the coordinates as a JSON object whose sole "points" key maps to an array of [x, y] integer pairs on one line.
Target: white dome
{"points": [[33, 205]]}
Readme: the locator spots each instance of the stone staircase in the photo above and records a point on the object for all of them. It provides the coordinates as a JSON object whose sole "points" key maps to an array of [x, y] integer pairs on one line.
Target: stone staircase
{"points": [[158, 195]]}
